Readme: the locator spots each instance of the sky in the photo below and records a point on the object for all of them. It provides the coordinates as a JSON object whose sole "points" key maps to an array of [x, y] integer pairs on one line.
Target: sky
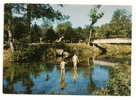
{"points": [[79, 14]]}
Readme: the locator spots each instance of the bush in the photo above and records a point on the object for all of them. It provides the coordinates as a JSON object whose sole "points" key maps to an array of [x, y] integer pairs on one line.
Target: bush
{"points": [[28, 53]]}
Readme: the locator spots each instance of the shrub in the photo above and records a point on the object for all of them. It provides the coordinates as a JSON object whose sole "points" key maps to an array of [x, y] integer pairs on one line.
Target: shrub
{"points": [[119, 84], [28, 53]]}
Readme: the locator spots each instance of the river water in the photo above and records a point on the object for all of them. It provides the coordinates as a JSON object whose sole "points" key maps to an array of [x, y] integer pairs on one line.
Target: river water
{"points": [[46, 78]]}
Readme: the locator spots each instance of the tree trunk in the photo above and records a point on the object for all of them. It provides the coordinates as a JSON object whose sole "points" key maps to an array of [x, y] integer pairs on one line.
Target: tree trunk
{"points": [[11, 40], [89, 37]]}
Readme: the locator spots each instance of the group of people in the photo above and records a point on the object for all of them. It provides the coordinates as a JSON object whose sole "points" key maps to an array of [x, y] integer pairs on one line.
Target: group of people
{"points": [[75, 61]]}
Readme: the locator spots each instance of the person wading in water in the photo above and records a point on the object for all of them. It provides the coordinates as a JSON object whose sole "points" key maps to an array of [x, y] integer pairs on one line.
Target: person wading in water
{"points": [[75, 60]]}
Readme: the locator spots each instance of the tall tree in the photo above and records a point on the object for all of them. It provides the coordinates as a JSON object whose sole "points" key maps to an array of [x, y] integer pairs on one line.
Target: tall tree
{"points": [[94, 16], [9, 9], [7, 22]]}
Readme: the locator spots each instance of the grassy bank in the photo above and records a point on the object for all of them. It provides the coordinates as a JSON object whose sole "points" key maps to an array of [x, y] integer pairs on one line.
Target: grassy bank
{"points": [[118, 51], [82, 50]]}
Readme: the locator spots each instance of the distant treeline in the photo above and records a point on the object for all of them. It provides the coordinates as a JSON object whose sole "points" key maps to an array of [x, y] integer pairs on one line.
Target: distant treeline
{"points": [[23, 30]]}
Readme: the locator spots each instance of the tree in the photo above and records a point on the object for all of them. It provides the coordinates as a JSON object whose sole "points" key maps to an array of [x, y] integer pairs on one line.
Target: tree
{"points": [[62, 29], [51, 35], [69, 34], [81, 34], [103, 31], [121, 23], [94, 16], [44, 11], [19, 29], [8, 21], [119, 26], [30, 12], [36, 33]]}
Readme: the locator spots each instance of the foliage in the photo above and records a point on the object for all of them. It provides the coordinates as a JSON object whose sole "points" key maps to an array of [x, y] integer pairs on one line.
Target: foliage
{"points": [[71, 34], [44, 11], [120, 79], [95, 15], [51, 35], [26, 13], [8, 22], [36, 33], [120, 26], [25, 53]]}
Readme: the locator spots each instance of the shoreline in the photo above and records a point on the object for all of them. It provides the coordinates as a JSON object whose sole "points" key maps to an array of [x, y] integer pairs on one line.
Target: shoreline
{"points": [[120, 51]]}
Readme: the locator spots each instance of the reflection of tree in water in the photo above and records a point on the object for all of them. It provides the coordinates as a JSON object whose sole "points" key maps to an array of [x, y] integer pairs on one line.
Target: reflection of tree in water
{"points": [[48, 67], [21, 72], [24, 73], [9, 87], [91, 85], [83, 66], [99, 77]]}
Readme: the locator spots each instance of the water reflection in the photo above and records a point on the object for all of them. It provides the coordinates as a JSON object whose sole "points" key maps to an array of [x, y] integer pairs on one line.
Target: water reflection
{"points": [[51, 78], [19, 87], [75, 74], [100, 76], [62, 74]]}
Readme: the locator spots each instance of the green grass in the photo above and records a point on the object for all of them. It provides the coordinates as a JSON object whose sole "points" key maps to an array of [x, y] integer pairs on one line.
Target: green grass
{"points": [[118, 51]]}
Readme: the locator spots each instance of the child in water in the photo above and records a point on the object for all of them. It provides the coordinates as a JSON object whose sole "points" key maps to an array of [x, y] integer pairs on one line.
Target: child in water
{"points": [[75, 61]]}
